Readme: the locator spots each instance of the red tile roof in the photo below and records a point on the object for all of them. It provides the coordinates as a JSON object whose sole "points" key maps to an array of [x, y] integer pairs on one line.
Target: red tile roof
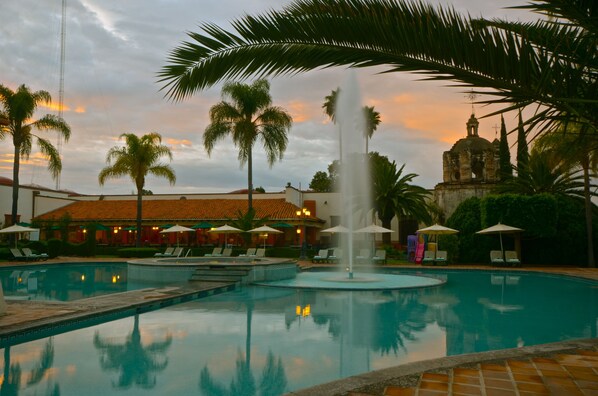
{"points": [[179, 210]]}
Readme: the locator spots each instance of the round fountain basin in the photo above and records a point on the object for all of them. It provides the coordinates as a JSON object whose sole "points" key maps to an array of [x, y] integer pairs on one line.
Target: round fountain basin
{"points": [[360, 281]]}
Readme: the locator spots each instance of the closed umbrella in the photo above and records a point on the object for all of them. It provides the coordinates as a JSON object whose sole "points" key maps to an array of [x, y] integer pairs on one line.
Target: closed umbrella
{"points": [[500, 229]]}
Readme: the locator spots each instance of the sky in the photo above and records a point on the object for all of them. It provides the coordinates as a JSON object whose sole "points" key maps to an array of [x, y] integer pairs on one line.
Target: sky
{"points": [[114, 50]]}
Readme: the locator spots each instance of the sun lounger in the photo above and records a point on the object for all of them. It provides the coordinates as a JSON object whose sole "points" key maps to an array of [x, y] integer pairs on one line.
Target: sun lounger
{"points": [[217, 251], [250, 252], [33, 256], [167, 253], [321, 257], [336, 256], [364, 256], [441, 257], [178, 252], [379, 257], [429, 257], [18, 255], [511, 258], [261, 252], [227, 252], [496, 257]]}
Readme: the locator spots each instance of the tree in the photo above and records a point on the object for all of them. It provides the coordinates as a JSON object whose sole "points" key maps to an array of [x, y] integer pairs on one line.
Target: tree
{"points": [[550, 62], [329, 107], [576, 150], [18, 109], [372, 120], [394, 195], [506, 168], [248, 117], [321, 182], [522, 150], [139, 157]]}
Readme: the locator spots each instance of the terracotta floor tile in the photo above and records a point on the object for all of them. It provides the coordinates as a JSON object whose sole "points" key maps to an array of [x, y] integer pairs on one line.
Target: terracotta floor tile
{"points": [[496, 375], [398, 391], [497, 383], [554, 373], [435, 377], [499, 392], [466, 380], [549, 366], [527, 378], [520, 364], [493, 367], [589, 393], [584, 375], [433, 385], [560, 382], [527, 387], [359, 394], [544, 360], [580, 361], [587, 384], [521, 370], [427, 392], [466, 389], [564, 392], [466, 371], [588, 352]]}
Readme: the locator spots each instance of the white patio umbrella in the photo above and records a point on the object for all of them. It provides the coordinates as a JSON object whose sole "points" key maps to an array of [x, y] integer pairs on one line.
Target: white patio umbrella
{"points": [[265, 230], [373, 229], [17, 229], [337, 229], [225, 229], [500, 229], [437, 229], [177, 228]]}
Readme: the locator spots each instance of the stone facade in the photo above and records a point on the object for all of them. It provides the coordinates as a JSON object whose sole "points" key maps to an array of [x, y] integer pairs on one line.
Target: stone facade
{"points": [[470, 168]]}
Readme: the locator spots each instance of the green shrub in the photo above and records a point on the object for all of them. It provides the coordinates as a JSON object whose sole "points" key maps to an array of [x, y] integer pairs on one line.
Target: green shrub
{"points": [[54, 247], [5, 254], [467, 246], [137, 252]]}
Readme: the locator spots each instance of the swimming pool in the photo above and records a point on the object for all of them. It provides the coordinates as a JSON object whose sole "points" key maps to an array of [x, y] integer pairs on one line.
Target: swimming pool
{"points": [[267, 341]]}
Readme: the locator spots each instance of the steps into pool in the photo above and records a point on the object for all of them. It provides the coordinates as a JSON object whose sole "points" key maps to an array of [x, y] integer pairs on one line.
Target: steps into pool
{"points": [[220, 274]]}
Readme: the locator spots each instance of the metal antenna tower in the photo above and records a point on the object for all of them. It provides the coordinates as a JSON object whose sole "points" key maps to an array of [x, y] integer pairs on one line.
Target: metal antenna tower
{"points": [[61, 83]]}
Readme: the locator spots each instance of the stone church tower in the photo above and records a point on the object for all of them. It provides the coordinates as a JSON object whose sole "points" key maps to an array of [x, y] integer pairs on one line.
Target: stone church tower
{"points": [[470, 168]]}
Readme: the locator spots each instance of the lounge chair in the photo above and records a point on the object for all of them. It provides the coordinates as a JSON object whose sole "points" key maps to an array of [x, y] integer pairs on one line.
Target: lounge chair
{"points": [[336, 256], [250, 252], [321, 257], [379, 257], [496, 257], [167, 253], [18, 255], [217, 251], [364, 256], [227, 252], [261, 252], [33, 256], [510, 257], [429, 257], [177, 252], [441, 257]]}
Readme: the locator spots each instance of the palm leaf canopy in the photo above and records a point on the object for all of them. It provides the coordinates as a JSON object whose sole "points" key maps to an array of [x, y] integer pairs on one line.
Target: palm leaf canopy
{"points": [[550, 62]]}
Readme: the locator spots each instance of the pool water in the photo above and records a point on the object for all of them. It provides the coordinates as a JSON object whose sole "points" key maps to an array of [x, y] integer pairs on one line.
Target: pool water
{"points": [[65, 282], [268, 341]]}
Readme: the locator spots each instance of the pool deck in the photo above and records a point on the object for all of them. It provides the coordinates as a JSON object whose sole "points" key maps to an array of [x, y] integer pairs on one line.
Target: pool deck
{"points": [[562, 368]]}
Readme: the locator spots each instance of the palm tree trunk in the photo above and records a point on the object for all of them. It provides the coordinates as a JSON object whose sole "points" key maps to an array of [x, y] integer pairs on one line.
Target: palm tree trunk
{"points": [[15, 184], [386, 223], [139, 216], [588, 207], [249, 181]]}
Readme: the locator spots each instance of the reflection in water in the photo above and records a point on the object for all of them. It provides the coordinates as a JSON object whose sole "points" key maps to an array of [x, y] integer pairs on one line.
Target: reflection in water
{"points": [[267, 341], [135, 362], [11, 381]]}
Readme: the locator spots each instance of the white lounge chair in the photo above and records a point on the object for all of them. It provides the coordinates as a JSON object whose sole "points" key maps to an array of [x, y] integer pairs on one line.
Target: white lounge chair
{"points": [[496, 257], [177, 252], [167, 253], [33, 256], [429, 257], [321, 257], [441, 257], [261, 252], [18, 255], [364, 256], [250, 252], [336, 256], [217, 251], [510, 257], [227, 252], [379, 257]]}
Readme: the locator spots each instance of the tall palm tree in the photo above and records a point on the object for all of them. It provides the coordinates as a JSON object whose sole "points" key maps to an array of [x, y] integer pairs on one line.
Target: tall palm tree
{"points": [[138, 158], [579, 151], [248, 117], [372, 120], [329, 107], [394, 195], [16, 114], [550, 62]]}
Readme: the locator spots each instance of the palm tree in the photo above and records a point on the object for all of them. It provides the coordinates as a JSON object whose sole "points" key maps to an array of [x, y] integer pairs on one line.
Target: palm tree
{"points": [[329, 107], [550, 62], [249, 116], [16, 114], [576, 150], [372, 120], [394, 195], [138, 158]]}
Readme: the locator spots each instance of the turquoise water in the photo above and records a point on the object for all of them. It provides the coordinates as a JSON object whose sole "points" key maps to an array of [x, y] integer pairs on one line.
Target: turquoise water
{"points": [[267, 341], [64, 282]]}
